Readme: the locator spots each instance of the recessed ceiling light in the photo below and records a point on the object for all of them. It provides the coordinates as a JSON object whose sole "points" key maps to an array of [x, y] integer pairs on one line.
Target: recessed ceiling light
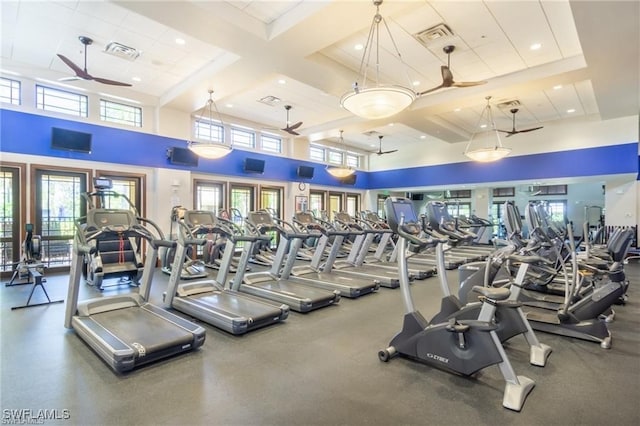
{"points": [[416, 83], [391, 124], [282, 81], [136, 79], [557, 87], [457, 110], [358, 46], [483, 126], [229, 105], [423, 136], [535, 46], [571, 110], [180, 41]]}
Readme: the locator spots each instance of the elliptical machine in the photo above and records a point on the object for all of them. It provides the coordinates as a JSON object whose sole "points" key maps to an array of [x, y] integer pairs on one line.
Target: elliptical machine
{"points": [[463, 347]]}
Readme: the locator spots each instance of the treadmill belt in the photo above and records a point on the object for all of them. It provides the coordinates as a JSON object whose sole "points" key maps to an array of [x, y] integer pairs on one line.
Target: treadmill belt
{"points": [[139, 327]]}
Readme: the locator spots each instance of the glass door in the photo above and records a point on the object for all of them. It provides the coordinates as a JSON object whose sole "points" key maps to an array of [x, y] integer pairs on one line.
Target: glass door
{"points": [[10, 239], [58, 204]]}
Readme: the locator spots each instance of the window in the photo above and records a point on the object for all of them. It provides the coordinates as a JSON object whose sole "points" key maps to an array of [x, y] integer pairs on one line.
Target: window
{"points": [[335, 157], [132, 186], [551, 190], [557, 210], [504, 192], [316, 203], [353, 160], [58, 205], [55, 100], [10, 192], [209, 130], [10, 91], [460, 193], [380, 205], [459, 209], [120, 113], [243, 138], [209, 196], [353, 204], [271, 143], [316, 153]]}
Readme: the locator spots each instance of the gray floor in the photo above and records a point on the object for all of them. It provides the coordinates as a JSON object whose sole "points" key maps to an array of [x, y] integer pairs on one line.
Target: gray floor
{"points": [[317, 368]]}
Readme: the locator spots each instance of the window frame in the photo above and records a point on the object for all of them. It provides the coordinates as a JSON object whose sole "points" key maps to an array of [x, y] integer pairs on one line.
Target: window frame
{"points": [[41, 104], [134, 110]]}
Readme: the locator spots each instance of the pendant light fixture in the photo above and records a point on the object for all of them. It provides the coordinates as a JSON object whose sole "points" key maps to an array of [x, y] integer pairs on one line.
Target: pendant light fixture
{"points": [[485, 145], [209, 149], [377, 101], [343, 170]]}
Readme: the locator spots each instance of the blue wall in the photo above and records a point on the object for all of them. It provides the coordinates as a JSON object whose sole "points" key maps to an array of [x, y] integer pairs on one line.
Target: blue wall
{"points": [[31, 134]]}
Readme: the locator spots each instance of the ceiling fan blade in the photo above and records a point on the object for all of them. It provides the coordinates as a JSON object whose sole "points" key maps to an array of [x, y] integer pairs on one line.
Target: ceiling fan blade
{"points": [[79, 71], [295, 126], [431, 90], [511, 132], [530, 130], [74, 78], [111, 82], [290, 131], [389, 152], [468, 83]]}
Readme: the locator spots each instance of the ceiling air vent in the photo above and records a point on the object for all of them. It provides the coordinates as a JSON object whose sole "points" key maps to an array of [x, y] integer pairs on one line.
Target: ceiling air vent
{"points": [[120, 50], [269, 100], [433, 34], [514, 103]]}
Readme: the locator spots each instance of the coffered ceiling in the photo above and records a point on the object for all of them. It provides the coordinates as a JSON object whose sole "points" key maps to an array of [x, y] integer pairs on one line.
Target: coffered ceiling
{"points": [[303, 53]]}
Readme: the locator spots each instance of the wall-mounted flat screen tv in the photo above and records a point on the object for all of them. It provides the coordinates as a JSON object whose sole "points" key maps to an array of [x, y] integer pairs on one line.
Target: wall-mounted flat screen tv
{"points": [[253, 165], [70, 140], [182, 157], [349, 180], [305, 172]]}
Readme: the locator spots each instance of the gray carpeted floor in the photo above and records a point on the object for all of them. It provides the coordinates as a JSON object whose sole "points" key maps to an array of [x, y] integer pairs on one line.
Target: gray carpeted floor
{"points": [[316, 368]]}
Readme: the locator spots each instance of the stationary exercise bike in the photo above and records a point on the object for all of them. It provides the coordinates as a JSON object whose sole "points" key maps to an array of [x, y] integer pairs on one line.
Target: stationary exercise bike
{"points": [[458, 346], [509, 318]]}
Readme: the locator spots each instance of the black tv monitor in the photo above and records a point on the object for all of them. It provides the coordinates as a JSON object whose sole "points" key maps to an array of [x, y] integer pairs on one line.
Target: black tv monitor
{"points": [[305, 172], [182, 157], [253, 165], [70, 140], [349, 180]]}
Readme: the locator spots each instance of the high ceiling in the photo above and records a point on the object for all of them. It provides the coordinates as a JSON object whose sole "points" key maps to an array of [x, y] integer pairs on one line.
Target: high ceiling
{"points": [[303, 53]]}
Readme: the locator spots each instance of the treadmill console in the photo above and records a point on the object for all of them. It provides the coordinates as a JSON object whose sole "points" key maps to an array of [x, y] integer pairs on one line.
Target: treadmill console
{"points": [[305, 218], [397, 209], [114, 219], [203, 218], [260, 218]]}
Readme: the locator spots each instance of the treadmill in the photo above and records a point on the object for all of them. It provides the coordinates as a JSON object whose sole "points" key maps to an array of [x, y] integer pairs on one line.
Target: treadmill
{"points": [[270, 284], [125, 330], [323, 276], [209, 300]]}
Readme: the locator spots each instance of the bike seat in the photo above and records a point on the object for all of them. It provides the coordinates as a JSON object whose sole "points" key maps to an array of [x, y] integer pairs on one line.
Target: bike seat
{"points": [[492, 293]]}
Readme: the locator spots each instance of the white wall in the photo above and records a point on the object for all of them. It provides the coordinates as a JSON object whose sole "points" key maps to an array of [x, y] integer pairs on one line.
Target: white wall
{"points": [[554, 137]]}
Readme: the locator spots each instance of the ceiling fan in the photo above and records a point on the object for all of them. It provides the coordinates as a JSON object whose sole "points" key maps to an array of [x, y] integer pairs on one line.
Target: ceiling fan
{"points": [[514, 131], [447, 75], [291, 128], [380, 151], [83, 74]]}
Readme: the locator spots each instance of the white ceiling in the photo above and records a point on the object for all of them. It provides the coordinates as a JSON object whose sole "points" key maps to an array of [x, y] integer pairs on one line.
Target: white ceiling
{"points": [[302, 52]]}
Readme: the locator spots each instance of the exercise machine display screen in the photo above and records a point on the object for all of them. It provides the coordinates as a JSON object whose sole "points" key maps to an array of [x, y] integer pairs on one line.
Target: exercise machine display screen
{"points": [[402, 209], [193, 218]]}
